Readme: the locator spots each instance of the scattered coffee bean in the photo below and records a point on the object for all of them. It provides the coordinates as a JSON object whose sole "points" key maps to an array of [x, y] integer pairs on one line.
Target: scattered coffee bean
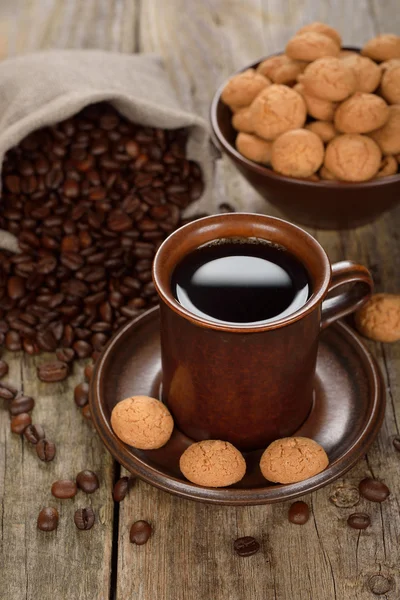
{"points": [[21, 404], [89, 372], [121, 488], [47, 519], [140, 532], [396, 443], [66, 355], [299, 513], [20, 422], [87, 481], [5, 393], [34, 433], [359, 521], [3, 368], [84, 518], [53, 371], [246, 546], [373, 490], [86, 412], [46, 450], [64, 488], [83, 349], [81, 394]]}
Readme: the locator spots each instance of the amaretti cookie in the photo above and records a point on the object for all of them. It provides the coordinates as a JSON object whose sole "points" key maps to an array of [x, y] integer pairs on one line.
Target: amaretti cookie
{"points": [[277, 109], [388, 166], [367, 72], [361, 113], [310, 45], [325, 174], [254, 148], [329, 78], [142, 422], [281, 68], [323, 110], [324, 129], [212, 463], [379, 318], [382, 47], [294, 459], [242, 120], [322, 28], [242, 88], [353, 157], [388, 136], [297, 153], [390, 85]]}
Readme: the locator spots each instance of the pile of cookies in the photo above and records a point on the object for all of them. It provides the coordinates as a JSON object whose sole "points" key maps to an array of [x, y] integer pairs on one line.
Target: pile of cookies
{"points": [[320, 112], [146, 423]]}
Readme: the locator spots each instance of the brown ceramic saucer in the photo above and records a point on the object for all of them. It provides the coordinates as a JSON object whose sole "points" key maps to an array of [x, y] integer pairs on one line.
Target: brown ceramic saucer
{"points": [[348, 410]]}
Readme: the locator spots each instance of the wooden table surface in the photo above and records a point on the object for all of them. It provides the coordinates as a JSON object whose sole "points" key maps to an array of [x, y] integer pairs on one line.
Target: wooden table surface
{"points": [[190, 555]]}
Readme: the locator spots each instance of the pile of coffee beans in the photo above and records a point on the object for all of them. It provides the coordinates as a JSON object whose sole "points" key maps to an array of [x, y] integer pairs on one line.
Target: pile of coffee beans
{"points": [[90, 200]]}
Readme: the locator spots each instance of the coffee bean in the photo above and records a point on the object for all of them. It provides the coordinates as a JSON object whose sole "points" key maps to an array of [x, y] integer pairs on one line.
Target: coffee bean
{"points": [[81, 394], [46, 450], [87, 481], [34, 433], [373, 490], [15, 287], [3, 368], [299, 513], [82, 349], [140, 533], [86, 412], [47, 519], [72, 261], [66, 355], [13, 341], [46, 265], [64, 489], [46, 340], [53, 371], [88, 372], [5, 393], [84, 518], [359, 521], [21, 404], [246, 546], [121, 488], [20, 422], [396, 443]]}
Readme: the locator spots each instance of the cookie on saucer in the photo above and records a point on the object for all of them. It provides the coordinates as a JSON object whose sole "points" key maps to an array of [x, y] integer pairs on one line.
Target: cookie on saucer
{"points": [[142, 422]]}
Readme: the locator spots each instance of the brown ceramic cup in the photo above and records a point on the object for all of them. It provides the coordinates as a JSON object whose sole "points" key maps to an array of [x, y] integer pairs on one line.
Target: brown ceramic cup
{"points": [[248, 384]]}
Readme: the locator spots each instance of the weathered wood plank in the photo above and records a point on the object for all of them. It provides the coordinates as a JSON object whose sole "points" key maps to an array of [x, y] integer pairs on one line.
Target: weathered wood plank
{"points": [[45, 565], [67, 563], [190, 554]]}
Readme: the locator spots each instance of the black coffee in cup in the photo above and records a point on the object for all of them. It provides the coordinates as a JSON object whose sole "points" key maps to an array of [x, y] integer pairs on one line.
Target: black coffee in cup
{"points": [[241, 281]]}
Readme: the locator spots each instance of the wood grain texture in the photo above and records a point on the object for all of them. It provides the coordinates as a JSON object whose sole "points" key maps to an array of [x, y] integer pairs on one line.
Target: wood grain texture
{"points": [[44, 565], [67, 563], [190, 554]]}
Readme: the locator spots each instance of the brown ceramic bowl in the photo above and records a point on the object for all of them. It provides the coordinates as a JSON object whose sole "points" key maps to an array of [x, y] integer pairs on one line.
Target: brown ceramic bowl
{"points": [[324, 204]]}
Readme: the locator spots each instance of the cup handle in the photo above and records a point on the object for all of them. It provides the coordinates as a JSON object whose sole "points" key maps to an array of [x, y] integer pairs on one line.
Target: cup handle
{"points": [[346, 272]]}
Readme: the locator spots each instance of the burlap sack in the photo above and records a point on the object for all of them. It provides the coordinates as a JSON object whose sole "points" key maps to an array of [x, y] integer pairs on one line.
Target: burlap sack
{"points": [[44, 88]]}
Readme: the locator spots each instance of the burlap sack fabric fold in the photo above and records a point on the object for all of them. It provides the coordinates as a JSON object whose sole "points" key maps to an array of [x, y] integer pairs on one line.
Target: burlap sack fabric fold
{"points": [[44, 88]]}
